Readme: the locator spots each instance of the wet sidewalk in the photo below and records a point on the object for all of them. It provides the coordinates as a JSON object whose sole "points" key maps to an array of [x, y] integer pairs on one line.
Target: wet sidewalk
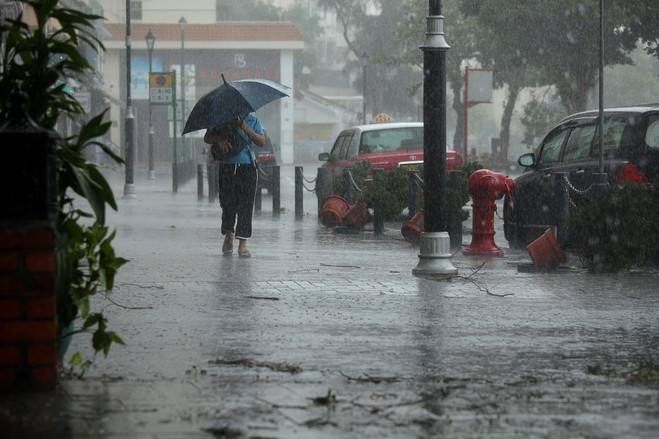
{"points": [[325, 334]]}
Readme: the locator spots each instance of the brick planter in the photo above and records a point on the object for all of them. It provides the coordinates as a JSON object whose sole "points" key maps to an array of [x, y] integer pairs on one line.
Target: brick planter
{"points": [[28, 309], [28, 322]]}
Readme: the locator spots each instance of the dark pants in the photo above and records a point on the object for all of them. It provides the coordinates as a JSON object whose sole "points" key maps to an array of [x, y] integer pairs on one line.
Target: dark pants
{"points": [[237, 190]]}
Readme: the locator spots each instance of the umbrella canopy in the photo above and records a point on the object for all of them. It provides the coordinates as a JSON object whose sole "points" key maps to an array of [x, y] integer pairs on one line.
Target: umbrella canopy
{"points": [[233, 100]]}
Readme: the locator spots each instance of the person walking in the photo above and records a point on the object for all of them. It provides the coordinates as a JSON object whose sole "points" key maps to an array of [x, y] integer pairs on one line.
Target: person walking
{"points": [[237, 181]]}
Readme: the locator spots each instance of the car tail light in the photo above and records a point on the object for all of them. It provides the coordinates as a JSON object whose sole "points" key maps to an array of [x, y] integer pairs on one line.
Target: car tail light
{"points": [[631, 173], [266, 157]]}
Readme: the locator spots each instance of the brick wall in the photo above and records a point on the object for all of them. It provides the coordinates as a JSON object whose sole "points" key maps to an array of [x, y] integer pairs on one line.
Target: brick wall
{"points": [[28, 328]]}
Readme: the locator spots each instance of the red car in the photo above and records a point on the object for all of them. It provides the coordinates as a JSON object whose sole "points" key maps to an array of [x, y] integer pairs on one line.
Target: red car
{"points": [[386, 146]]}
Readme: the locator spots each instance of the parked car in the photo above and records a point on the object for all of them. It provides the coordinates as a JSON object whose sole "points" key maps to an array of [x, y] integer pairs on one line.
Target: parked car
{"points": [[266, 159], [631, 153], [385, 146]]}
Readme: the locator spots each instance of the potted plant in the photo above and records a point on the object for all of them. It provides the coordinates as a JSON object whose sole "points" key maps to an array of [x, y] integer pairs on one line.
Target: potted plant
{"points": [[37, 62]]}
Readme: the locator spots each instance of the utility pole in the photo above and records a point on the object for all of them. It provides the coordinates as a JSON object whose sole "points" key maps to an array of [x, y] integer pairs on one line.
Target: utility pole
{"points": [[364, 59], [150, 43], [182, 22], [435, 252], [600, 179], [129, 185]]}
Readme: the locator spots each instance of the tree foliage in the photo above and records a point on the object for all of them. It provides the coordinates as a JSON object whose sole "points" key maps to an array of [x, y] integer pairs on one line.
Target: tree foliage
{"points": [[462, 36], [36, 64], [388, 81], [616, 230], [540, 115], [559, 39], [643, 21]]}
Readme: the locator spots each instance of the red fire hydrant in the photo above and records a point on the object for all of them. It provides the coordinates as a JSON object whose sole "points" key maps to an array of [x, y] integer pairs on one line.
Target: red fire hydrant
{"points": [[485, 187]]}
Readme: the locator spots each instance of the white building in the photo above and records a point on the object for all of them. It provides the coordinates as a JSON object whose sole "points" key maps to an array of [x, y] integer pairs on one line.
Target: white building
{"points": [[236, 49]]}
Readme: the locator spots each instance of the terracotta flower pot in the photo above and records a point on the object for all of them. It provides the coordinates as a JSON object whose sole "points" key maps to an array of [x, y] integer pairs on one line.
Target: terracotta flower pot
{"points": [[413, 228], [357, 216], [545, 251], [334, 209]]}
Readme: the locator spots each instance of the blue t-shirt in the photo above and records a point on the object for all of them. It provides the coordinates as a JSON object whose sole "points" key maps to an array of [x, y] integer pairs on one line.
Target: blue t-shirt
{"points": [[243, 158]]}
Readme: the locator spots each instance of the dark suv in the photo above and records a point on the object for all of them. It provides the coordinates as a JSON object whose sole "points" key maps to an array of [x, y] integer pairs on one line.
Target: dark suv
{"points": [[631, 153]]}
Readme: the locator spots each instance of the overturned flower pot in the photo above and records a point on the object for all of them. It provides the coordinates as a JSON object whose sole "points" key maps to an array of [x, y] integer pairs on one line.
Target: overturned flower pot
{"points": [[545, 251], [413, 228], [334, 209], [357, 216]]}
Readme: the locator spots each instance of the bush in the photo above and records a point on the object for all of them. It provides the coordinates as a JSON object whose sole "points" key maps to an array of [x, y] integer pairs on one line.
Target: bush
{"points": [[617, 229], [388, 193], [359, 174]]}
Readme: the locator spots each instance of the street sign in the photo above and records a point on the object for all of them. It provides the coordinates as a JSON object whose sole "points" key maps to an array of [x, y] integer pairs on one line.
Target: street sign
{"points": [[480, 83], [161, 86]]}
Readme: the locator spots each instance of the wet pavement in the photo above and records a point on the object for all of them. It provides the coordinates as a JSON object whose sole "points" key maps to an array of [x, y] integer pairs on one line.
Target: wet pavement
{"points": [[326, 334]]}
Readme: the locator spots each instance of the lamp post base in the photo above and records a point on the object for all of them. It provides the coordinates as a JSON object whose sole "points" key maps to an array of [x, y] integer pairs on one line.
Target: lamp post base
{"points": [[434, 257], [129, 191]]}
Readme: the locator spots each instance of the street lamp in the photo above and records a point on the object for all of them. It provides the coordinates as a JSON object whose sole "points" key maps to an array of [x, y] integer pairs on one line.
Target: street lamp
{"points": [[364, 58], [435, 253], [150, 43], [129, 184], [182, 22]]}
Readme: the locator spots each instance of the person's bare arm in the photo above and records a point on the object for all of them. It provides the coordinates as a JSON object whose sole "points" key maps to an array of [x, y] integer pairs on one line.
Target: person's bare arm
{"points": [[257, 138]]}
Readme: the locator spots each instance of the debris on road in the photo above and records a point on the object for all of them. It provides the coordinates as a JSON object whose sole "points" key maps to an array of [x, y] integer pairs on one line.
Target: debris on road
{"points": [[248, 362]]}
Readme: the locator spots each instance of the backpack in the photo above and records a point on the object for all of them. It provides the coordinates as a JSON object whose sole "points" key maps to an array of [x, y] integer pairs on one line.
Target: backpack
{"points": [[228, 136]]}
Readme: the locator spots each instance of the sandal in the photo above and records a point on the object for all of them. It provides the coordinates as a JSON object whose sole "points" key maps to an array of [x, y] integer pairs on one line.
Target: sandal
{"points": [[244, 254], [227, 247]]}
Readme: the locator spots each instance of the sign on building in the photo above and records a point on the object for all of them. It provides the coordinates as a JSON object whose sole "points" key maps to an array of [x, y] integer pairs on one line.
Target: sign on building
{"points": [[161, 88]]}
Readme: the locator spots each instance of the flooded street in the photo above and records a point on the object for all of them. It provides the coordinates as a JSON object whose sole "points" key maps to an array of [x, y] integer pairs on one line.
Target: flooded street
{"points": [[325, 334]]}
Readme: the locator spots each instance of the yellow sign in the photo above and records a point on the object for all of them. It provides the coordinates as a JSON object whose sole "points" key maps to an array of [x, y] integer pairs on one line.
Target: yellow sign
{"points": [[160, 80], [161, 87]]}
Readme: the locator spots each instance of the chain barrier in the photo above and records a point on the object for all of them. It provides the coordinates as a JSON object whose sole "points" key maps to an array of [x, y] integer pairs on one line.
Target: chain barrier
{"points": [[308, 189], [307, 180], [419, 181], [352, 182], [569, 187]]}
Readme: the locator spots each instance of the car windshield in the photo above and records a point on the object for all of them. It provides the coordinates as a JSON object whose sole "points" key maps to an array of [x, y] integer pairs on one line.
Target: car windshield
{"points": [[392, 139]]}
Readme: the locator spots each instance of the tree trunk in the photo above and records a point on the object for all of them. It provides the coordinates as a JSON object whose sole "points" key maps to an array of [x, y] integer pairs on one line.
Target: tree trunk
{"points": [[574, 94], [508, 109]]}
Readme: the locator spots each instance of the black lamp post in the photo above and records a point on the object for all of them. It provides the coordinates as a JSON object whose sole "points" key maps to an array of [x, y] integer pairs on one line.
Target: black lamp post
{"points": [[435, 253], [129, 184], [182, 22], [150, 43]]}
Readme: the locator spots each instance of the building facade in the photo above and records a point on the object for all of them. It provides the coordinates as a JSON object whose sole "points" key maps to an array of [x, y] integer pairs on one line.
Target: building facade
{"points": [[237, 50]]}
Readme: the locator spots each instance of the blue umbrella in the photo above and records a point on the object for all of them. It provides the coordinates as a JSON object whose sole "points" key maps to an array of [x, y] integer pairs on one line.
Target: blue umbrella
{"points": [[233, 100]]}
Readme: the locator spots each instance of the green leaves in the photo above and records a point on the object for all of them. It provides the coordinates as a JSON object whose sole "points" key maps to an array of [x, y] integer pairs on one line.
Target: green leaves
{"points": [[618, 229], [38, 62]]}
